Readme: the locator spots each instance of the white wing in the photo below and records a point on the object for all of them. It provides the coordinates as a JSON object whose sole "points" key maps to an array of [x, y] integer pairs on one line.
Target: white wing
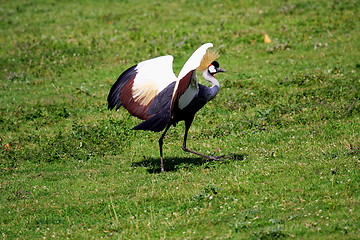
{"points": [[152, 77], [137, 87], [186, 87], [194, 60]]}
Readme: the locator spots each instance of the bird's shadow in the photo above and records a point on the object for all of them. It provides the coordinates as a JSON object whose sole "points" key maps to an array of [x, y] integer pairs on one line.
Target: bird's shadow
{"points": [[175, 164]]}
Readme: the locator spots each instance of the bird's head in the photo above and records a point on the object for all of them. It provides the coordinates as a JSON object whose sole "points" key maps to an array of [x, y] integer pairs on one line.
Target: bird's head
{"points": [[214, 68]]}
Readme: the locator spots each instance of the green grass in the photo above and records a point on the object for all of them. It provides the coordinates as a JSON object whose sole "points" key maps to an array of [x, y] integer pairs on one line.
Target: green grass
{"points": [[288, 111]]}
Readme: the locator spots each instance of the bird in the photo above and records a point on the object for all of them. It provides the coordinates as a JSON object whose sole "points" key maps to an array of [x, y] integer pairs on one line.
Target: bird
{"points": [[151, 92]]}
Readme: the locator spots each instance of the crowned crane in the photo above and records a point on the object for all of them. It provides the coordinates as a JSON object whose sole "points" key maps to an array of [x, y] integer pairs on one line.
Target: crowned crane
{"points": [[151, 91]]}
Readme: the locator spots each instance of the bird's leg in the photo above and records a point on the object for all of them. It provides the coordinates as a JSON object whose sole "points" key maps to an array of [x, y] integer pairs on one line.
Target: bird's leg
{"points": [[161, 150], [187, 126]]}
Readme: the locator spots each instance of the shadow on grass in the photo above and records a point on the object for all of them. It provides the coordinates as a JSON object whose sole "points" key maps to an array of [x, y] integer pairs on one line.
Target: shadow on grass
{"points": [[174, 164]]}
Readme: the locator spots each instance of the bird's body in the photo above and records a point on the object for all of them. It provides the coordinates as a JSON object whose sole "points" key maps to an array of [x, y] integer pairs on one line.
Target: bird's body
{"points": [[151, 91], [204, 95]]}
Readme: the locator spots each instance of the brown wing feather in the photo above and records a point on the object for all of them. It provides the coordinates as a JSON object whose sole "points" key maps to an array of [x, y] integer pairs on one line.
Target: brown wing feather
{"points": [[131, 104], [138, 86], [183, 85], [121, 94]]}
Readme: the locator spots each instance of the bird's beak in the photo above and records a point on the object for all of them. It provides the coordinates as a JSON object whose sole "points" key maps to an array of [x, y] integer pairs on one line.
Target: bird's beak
{"points": [[220, 70]]}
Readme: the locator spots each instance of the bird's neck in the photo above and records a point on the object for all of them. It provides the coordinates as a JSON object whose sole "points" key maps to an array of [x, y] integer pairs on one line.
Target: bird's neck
{"points": [[211, 78]]}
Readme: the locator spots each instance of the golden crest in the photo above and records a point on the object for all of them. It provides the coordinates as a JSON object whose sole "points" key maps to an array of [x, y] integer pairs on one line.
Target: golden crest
{"points": [[207, 59]]}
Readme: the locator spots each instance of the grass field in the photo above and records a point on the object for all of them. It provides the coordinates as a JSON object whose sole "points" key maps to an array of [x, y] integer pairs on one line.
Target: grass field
{"points": [[288, 110]]}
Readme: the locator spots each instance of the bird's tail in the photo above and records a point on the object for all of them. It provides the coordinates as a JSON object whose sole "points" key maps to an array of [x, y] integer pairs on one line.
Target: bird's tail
{"points": [[156, 123]]}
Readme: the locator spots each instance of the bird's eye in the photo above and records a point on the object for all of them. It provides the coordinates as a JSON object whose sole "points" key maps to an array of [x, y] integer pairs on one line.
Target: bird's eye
{"points": [[212, 69]]}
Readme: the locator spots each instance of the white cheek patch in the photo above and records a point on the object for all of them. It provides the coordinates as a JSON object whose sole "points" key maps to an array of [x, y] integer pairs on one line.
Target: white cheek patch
{"points": [[212, 69]]}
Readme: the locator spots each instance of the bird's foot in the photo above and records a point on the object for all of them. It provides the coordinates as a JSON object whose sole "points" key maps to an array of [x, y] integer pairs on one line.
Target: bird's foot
{"points": [[162, 164], [216, 158], [211, 158], [225, 158]]}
